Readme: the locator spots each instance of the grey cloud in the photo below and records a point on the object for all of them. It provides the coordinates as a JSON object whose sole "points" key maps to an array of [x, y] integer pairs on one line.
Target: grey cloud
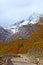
{"points": [[12, 10]]}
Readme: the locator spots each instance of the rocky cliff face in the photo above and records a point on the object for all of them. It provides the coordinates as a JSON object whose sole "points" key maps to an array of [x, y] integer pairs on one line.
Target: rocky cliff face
{"points": [[4, 34]]}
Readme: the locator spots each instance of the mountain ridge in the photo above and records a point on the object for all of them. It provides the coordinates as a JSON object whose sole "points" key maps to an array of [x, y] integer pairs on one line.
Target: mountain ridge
{"points": [[22, 29]]}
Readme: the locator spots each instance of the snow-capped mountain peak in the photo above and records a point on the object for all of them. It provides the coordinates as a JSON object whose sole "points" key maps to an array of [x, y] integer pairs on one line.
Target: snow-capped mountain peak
{"points": [[33, 19], [24, 23], [21, 29]]}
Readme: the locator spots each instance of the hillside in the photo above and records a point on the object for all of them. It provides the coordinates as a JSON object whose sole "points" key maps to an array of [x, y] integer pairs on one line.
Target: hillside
{"points": [[33, 45], [4, 34], [23, 32]]}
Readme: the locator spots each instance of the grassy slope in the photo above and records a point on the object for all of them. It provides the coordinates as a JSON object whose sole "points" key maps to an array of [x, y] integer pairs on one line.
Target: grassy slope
{"points": [[33, 44]]}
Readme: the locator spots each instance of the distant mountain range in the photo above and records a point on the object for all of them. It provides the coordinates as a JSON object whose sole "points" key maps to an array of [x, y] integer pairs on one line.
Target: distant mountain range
{"points": [[22, 29]]}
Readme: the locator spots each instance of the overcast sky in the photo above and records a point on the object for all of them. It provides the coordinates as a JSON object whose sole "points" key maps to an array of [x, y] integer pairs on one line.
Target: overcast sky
{"points": [[13, 10]]}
